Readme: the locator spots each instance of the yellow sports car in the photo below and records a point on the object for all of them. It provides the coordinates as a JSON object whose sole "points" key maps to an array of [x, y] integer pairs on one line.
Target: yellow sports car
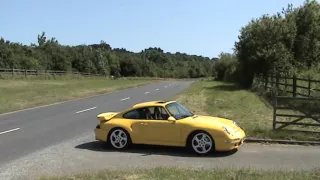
{"points": [[168, 123]]}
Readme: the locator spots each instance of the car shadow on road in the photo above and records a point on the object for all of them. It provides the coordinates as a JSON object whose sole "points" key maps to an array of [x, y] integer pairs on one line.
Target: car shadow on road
{"points": [[146, 150]]}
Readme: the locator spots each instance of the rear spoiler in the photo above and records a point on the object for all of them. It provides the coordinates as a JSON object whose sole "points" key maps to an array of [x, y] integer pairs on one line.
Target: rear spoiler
{"points": [[103, 117]]}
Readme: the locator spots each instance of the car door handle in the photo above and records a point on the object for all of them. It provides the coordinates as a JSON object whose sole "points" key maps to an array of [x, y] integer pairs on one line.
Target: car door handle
{"points": [[144, 124]]}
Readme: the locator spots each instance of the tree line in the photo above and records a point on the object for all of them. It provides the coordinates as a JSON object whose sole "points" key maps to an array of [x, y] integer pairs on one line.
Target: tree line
{"points": [[287, 42], [48, 54]]}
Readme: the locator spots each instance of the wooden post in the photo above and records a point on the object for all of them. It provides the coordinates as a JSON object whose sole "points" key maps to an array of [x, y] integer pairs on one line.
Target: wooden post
{"points": [[25, 72], [274, 112], [277, 82], [285, 83], [294, 86], [275, 94], [272, 80], [309, 85], [266, 82]]}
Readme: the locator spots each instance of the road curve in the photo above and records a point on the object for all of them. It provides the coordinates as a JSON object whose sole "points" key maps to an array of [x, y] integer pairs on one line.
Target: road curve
{"points": [[24, 132]]}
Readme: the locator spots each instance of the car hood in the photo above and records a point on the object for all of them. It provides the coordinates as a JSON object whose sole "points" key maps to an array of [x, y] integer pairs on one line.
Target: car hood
{"points": [[211, 121]]}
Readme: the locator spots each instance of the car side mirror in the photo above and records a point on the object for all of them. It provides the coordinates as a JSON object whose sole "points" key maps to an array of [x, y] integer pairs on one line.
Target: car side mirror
{"points": [[171, 119]]}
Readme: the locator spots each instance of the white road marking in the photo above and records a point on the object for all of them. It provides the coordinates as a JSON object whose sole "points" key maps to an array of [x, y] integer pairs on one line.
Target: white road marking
{"points": [[146, 93], [86, 110], [125, 99], [9, 131], [165, 86], [250, 151], [157, 89]]}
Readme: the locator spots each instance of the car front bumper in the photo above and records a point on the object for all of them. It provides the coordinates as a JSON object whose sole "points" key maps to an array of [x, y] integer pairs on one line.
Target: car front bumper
{"points": [[231, 144]]}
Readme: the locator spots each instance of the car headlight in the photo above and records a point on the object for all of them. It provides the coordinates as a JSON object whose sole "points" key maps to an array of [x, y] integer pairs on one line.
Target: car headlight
{"points": [[234, 123], [226, 130]]}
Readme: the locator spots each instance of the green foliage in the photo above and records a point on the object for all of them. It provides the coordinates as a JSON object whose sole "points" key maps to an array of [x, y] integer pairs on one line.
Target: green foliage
{"points": [[225, 67], [102, 59], [287, 42]]}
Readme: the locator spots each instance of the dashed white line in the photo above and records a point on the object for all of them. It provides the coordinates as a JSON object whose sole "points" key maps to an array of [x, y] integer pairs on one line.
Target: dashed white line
{"points": [[125, 99], [9, 131], [157, 89], [146, 92], [86, 110]]}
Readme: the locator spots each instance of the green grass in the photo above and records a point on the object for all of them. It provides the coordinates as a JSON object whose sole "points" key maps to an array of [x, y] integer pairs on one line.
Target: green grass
{"points": [[191, 174], [25, 93], [227, 100]]}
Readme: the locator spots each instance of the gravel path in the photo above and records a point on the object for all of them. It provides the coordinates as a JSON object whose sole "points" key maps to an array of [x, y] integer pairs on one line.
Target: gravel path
{"points": [[84, 154]]}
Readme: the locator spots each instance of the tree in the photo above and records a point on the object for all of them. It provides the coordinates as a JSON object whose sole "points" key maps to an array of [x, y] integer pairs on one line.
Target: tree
{"points": [[286, 42]]}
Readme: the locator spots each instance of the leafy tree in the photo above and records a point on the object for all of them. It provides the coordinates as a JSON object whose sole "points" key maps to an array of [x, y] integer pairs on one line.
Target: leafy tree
{"points": [[287, 42]]}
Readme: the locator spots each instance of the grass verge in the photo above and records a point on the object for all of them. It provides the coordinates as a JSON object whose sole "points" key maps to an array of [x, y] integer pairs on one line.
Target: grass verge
{"points": [[21, 94], [190, 174], [227, 100]]}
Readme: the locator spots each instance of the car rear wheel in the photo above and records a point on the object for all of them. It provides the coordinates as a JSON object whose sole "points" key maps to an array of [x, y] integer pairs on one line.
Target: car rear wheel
{"points": [[119, 138], [201, 143]]}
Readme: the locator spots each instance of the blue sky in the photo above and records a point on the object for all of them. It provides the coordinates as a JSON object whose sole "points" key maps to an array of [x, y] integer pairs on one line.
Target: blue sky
{"points": [[203, 27]]}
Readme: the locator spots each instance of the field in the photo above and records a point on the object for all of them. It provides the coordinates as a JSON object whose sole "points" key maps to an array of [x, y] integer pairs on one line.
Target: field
{"points": [[227, 100], [16, 94], [190, 174]]}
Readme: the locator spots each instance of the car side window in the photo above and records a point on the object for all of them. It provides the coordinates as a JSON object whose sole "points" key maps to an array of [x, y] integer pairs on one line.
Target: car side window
{"points": [[148, 113], [160, 113], [134, 114], [164, 113]]}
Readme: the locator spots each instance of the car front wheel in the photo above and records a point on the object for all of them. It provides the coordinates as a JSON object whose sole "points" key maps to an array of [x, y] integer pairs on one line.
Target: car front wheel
{"points": [[201, 143]]}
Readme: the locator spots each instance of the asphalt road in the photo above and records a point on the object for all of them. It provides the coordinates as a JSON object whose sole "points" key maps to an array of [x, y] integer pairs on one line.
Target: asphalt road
{"points": [[84, 154], [24, 132]]}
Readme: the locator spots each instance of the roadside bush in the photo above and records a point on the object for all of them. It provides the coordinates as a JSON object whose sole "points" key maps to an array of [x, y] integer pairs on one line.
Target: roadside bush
{"points": [[225, 67], [232, 72]]}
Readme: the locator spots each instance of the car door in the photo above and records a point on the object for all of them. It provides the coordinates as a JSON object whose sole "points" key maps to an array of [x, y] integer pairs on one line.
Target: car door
{"points": [[138, 125], [161, 131]]}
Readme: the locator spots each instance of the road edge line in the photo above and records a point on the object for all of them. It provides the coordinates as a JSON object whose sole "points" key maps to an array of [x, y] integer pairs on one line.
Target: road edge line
{"points": [[281, 141]]}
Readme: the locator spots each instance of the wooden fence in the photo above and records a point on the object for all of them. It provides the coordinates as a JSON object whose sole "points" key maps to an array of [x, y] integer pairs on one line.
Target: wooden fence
{"points": [[37, 72], [300, 96], [24, 73]]}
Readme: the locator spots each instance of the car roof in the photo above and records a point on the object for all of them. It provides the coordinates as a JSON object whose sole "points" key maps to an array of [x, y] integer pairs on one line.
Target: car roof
{"points": [[152, 103]]}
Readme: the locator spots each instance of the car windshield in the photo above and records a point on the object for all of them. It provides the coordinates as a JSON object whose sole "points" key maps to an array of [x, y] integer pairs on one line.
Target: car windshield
{"points": [[178, 111]]}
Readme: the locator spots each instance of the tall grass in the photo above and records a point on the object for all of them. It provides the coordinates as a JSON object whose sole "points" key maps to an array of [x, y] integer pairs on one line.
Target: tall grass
{"points": [[174, 173]]}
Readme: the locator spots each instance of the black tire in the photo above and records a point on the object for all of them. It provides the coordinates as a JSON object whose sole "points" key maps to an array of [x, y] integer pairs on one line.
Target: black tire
{"points": [[191, 148], [110, 139]]}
